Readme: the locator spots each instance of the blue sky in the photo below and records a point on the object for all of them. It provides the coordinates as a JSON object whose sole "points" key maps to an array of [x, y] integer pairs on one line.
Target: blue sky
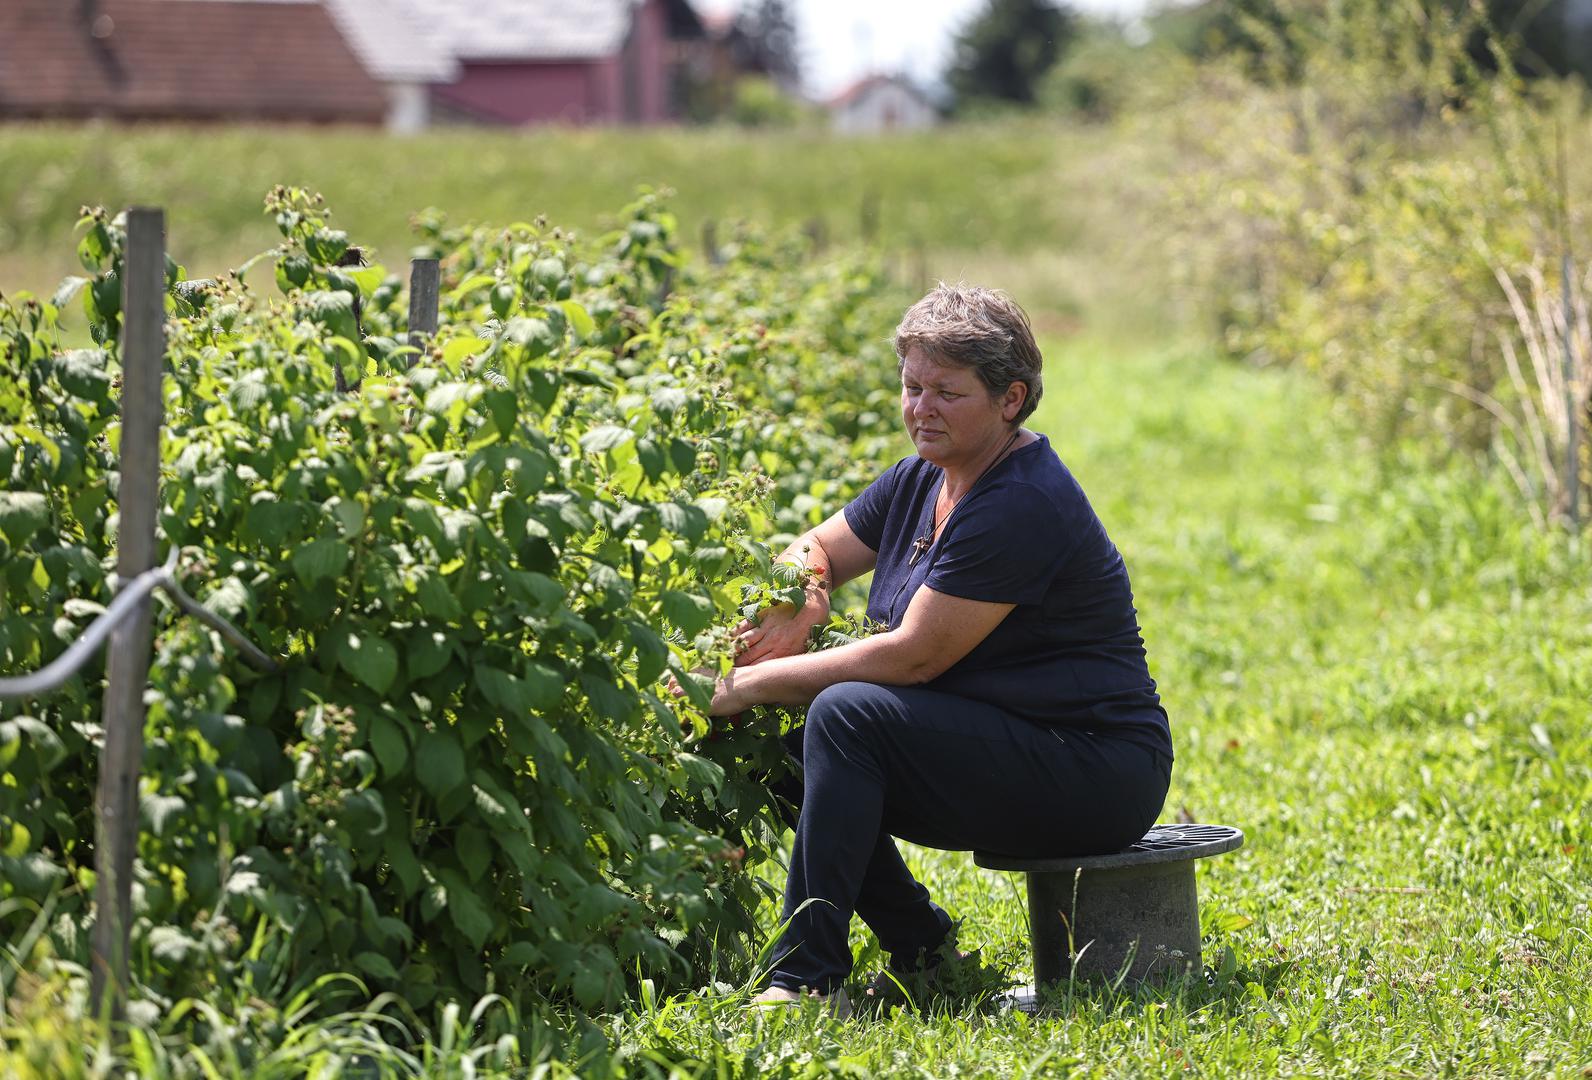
{"points": [[844, 39]]}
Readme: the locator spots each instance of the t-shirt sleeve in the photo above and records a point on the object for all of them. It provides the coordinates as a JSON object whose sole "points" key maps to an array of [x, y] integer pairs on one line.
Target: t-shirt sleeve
{"points": [[866, 513], [1006, 546]]}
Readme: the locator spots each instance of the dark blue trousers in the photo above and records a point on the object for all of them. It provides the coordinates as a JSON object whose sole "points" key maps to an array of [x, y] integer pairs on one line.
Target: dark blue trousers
{"points": [[879, 762]]}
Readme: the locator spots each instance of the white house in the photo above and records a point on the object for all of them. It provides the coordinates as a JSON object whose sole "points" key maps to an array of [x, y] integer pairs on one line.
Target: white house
{"points": [[881, 103]]}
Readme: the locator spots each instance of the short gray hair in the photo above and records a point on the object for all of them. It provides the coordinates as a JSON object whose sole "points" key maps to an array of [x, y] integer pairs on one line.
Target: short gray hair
{"points": [[983, 329]]}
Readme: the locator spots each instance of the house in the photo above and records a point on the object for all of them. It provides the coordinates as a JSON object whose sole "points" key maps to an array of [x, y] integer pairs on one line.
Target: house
{"points": [[881, 103], [560, 61], [317, 61]]}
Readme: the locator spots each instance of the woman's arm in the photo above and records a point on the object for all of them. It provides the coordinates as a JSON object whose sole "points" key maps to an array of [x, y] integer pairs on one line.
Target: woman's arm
{"points": [[783, 630], [936, 631]]}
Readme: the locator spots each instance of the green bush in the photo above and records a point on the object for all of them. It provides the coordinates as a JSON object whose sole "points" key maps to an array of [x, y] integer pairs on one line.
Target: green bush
{"points": [[1367, 218], [475, 565]]}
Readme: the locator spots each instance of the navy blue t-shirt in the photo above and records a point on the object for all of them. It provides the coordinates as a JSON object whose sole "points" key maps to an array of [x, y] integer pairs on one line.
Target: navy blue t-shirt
{"points": [[1069, 654]]}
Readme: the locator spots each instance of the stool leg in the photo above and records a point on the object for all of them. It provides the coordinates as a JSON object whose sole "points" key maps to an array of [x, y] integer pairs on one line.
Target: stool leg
{"points": [[1148, 913], [1049, 911]]}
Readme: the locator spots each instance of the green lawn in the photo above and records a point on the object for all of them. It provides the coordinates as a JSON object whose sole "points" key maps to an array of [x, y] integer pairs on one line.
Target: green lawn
{"points": [[971, 189], [1382, 677], [1378, 671]]}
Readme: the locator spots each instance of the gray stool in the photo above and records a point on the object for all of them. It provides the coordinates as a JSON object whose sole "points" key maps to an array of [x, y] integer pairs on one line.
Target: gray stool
{"points": [[1139, 902]]}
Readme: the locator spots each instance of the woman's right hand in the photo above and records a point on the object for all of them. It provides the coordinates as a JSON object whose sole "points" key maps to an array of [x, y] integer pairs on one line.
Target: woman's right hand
{"points": [[781, 630]]}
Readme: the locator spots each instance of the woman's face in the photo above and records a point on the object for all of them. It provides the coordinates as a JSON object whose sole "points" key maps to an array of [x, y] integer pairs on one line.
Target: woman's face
{"points": [[948, 411]]}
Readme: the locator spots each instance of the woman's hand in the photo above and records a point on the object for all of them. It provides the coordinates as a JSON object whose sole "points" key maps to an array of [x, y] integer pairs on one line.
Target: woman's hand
{"points": [[781, 630], [730, 696]]}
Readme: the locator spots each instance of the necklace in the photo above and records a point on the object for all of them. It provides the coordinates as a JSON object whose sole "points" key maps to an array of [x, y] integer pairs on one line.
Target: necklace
{"points": [[921, 545]]}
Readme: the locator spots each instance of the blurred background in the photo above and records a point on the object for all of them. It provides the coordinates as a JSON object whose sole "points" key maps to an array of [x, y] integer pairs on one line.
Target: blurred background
{"points": [[1383, 194]]}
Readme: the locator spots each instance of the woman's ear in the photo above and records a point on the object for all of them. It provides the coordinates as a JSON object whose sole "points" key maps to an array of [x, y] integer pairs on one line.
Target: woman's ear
{"points": [[1012, 402]]}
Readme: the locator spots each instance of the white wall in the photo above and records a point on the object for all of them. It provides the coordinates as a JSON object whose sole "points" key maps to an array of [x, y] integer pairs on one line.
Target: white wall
{"points": [[408, 107], [883, 106]]}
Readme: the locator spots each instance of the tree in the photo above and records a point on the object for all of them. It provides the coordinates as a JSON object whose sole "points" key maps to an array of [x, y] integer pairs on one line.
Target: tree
{"points": [[769, 30], [1001, 55], [1539, 37]]}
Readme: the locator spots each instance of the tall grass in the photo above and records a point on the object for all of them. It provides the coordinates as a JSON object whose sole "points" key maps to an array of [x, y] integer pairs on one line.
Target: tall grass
{"points": [[1373, 204]]}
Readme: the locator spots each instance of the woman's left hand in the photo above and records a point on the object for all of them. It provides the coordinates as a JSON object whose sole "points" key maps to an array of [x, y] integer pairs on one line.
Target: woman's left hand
{"points": [[730, 695]]}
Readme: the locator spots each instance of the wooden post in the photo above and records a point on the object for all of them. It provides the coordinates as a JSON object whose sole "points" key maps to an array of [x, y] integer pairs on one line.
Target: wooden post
{"points": [[425, 282], [710, 242], [116, 803], [817, 234], [1572, 434]]}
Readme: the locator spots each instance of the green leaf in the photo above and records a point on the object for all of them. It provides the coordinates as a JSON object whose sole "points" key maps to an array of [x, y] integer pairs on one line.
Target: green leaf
{"points": [[332, 311], [374, 963], [269, 521], [544, 685], [470, 916], [444, 396], [320, 559], [652, 652], [83, 373], [40, 738], [69, 287], [1229, 921], [535, 336], [704, 775], [470, 285], [22, 513], [668, 400], [474, 849], [427, 653], [436, 599], [590, 986], [18, 842], [606, 437], [160, 810], [683, 519], [387, 741], [689, 612], [369, 659], [579, 319], [439, 763], [503, 690]]}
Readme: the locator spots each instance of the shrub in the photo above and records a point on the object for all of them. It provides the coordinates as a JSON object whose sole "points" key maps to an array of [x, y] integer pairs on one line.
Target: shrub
{"points": [[475, 564]]}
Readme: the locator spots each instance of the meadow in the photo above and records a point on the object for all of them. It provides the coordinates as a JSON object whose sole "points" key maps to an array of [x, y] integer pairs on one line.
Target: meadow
{"points": [[969, 190], [1375, 664], [1381, 676]]}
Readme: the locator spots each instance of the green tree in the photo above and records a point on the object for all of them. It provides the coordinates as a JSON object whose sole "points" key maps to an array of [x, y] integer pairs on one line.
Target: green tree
{"points": [[1540, 37], [1003, 52]]}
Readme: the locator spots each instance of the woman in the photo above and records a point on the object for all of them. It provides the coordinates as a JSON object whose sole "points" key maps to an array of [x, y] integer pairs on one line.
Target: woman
{"points": [[1008, 707]]}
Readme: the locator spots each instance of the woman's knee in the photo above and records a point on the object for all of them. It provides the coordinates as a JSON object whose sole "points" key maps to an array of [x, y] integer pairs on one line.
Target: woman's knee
{"points": [[847, 708]]}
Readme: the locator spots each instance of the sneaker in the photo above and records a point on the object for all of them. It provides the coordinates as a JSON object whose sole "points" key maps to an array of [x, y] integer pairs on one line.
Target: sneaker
{"points": [[837, 1004], [888, 984]]}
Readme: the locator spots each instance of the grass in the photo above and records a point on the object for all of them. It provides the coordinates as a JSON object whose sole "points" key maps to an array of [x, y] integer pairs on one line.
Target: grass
{"points": [[1379, 671], [1381, 675], [971, 189]]}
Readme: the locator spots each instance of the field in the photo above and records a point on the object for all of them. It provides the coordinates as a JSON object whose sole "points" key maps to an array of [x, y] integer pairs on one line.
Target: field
{"points": [[977, 189], [1375, 665]]}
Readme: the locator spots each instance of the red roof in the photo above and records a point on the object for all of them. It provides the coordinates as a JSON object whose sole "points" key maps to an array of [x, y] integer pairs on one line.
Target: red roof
{"points": [[180, 59]]}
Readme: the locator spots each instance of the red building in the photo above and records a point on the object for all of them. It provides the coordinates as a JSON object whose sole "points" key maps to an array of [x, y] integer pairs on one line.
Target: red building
{"points": [[563, 61], [204, 60]]}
